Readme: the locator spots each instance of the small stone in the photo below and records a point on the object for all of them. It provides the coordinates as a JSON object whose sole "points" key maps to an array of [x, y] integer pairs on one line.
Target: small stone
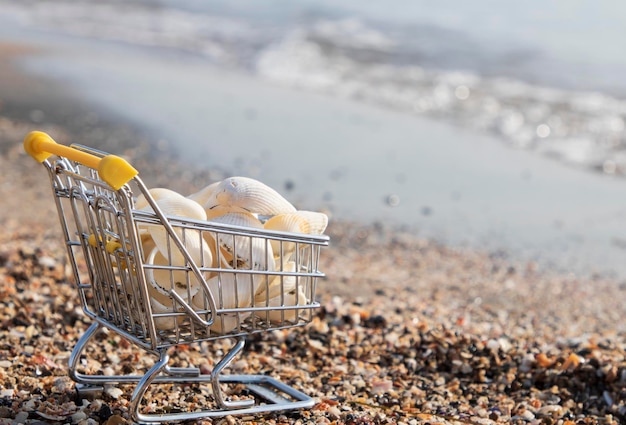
{"points": [[5, 412], [48, 262], [550, 410], [21, 418], [78, 416], [6, 393], [116, 420], [113, 392]]}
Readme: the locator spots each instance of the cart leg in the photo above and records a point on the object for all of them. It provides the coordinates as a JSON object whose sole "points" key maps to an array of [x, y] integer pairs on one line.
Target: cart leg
{"points": [[77, 351], [215, 379], [89, 383], [142, 387]]}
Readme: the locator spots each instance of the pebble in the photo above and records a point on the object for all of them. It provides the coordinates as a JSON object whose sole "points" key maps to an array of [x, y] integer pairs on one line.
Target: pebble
{"points": [[21, 418], [113, 392], [78, 417], [400, 336]]}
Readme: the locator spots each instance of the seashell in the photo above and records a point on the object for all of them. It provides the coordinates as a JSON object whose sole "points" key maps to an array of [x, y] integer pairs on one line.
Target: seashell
{"points": [[293, 298], [147, 244], [290, 299], [246, 195], [281, 291], [174, 204], [251, 253], [164, 323], [203, 195], [230, 290], [242, 219], [225, 323], [219, 211], [141, 203], [307, 222], [160, 281], [273, 288]]}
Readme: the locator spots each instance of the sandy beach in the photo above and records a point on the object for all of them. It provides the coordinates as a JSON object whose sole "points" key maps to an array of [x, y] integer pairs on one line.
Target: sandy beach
{"points": [[410, 331]]}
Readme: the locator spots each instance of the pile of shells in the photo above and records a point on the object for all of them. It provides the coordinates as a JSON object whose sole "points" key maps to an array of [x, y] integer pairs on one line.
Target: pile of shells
{"points": [[234, 201]]}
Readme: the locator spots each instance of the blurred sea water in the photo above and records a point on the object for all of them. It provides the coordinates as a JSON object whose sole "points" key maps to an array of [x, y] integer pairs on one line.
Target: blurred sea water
{"points": [[414, 91], [547, 77]]}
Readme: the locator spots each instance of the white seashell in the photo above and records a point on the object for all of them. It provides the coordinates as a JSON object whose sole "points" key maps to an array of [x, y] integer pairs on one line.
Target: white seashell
{"points": [[247, 195], [230, 290], [273, 287], [307, 222], [317, 221], [243, 219], [174, 204], [281, 291], [157, 193], [203, 195], [160, 281], [244, 252], [220, 210], [293, 298], [289, 222], [164, 323], [225, 323]]}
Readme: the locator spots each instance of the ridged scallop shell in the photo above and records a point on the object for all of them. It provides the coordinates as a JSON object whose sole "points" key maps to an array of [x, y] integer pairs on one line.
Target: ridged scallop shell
{"points": [[233, 218], [174, 204], [203, 195], [156, 193], [164, 323], [251, 253], [273, 287], [281, 291], [223, 322], [294, 299], [220, 210], [247, 194], [307, 222], [160, 281], [230, 290]]}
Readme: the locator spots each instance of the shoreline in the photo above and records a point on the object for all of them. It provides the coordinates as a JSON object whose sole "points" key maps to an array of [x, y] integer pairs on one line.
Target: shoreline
{"points": [[437, 181], [409, 329]]}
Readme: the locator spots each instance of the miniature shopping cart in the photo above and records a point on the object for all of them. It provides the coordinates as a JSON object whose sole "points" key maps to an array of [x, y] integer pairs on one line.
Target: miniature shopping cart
{"points": [[96, 195]]}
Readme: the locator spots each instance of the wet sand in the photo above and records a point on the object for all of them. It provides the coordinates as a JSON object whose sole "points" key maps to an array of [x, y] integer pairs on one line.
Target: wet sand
{"points": [[410, 331]]}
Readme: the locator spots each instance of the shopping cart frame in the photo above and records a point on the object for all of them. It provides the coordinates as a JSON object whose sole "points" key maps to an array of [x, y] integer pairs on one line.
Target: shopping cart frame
{"points": [[95, 195]]}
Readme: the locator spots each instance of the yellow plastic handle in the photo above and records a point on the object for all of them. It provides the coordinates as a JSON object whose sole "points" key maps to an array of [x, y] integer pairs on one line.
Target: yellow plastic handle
{"points": [[114, 170]]}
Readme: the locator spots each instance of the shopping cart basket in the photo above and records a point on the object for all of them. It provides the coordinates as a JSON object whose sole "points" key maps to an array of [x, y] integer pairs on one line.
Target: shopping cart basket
{"points": [[96, 195]]}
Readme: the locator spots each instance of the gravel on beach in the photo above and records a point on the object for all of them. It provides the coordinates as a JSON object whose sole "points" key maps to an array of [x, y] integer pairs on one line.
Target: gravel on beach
{"points": [[409, 332]]}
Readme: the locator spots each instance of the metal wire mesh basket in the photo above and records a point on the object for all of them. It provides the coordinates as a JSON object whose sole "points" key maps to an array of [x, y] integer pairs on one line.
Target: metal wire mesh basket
{"points": [[160, 300]]}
